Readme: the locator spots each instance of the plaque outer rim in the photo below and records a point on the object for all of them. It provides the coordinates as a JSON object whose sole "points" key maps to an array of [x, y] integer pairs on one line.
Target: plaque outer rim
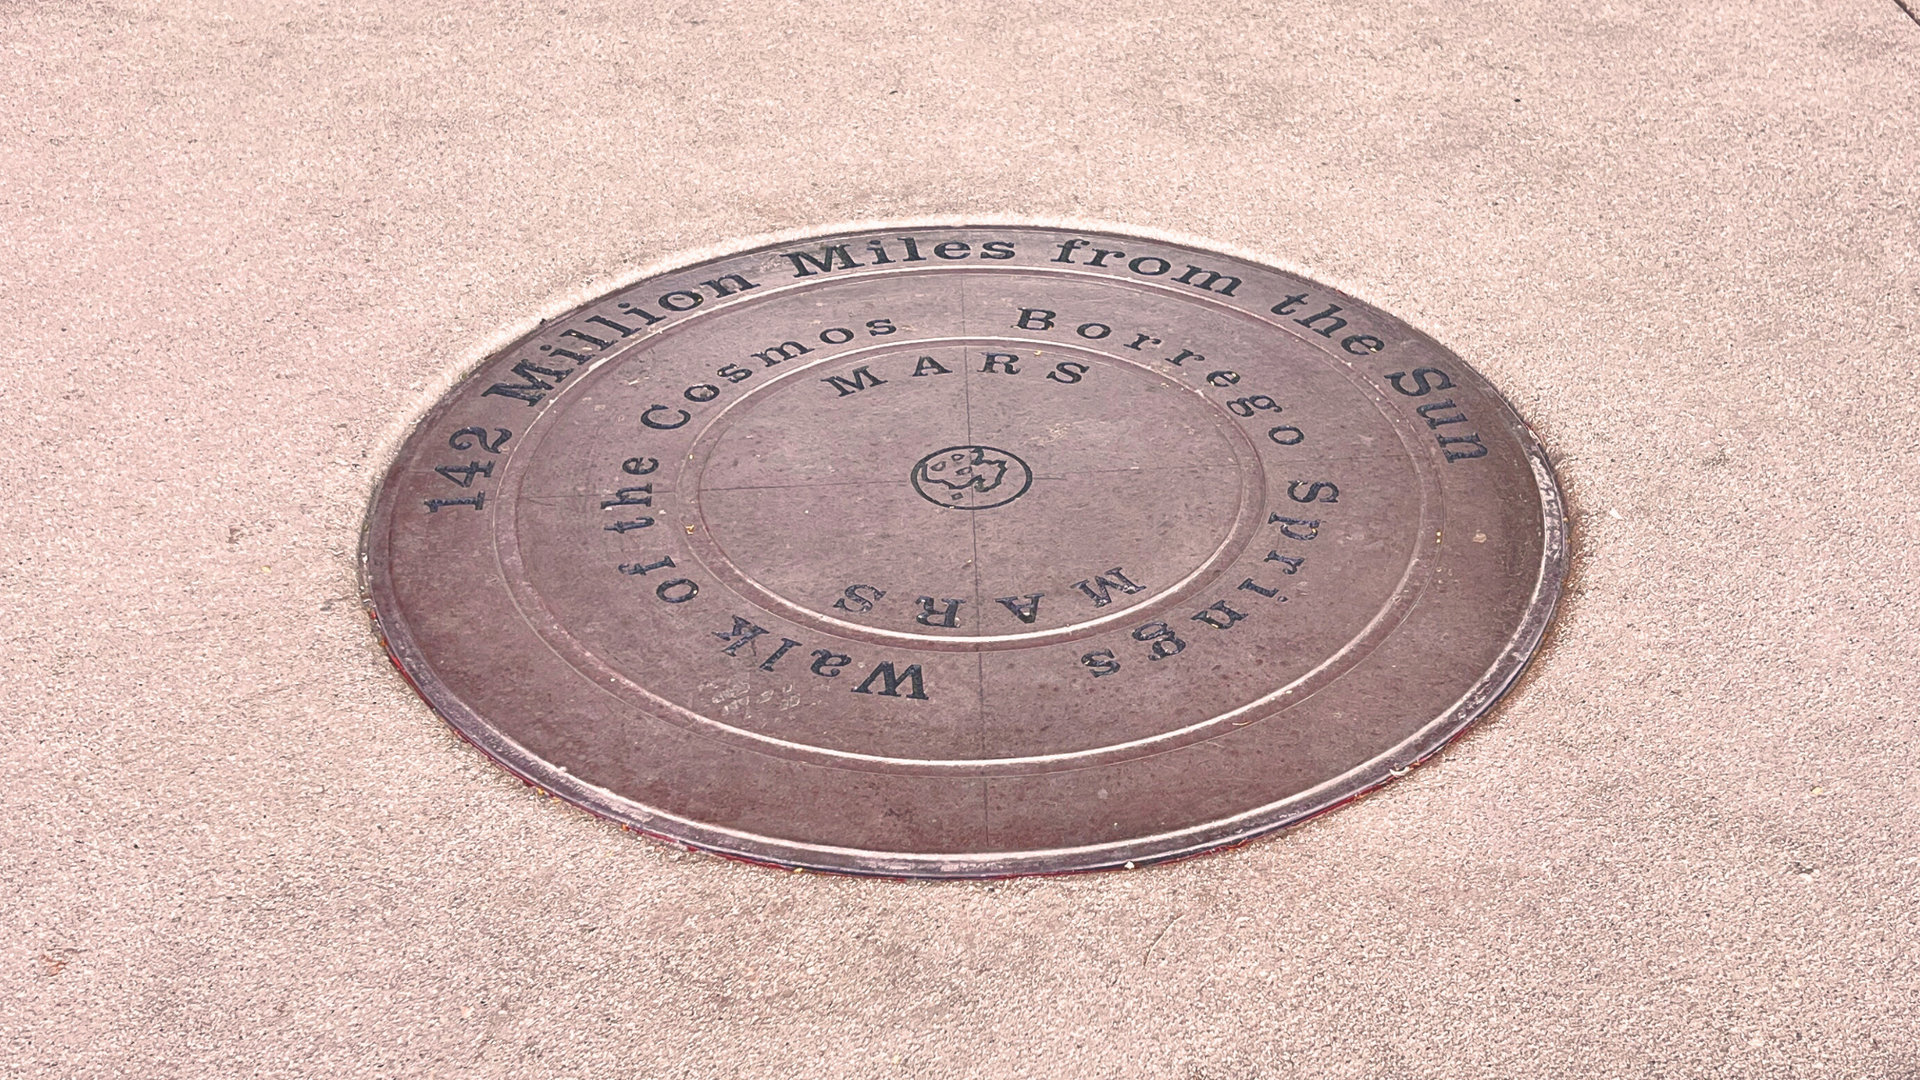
{"points": [[1481, 696]]}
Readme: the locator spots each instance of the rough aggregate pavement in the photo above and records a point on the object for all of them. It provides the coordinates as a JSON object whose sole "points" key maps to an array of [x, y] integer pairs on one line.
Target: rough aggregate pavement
{"points": [[243, 246]]}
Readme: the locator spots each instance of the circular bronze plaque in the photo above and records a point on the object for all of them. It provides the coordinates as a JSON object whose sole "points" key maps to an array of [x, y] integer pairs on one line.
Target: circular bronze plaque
{"points": [[966, 551]]}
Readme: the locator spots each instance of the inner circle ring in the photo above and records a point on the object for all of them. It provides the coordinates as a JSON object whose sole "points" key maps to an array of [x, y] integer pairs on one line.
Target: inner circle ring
{"points": [[713, 558]]}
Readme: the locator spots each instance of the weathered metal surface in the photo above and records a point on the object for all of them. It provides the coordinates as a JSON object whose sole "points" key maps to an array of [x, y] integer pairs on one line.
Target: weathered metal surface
{"points": [[966, 551]]}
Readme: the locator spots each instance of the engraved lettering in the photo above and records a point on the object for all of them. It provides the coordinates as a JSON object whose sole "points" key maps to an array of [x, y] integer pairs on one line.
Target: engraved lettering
{"points": [[1163, 642], [633, 309], [1098, 588], [1289, 527], [467, 472], [625, 497], [785, 644], [1250, 586], [861, 379], [477, 500], [682, 590], [466, 437], [827, 658], [1422, 386], [832, 258], [1473, 449], [1286, 435], [1068, 371], [1289, 564], [787, 350], [890, 682], [1214, 613], [1100, 662], [1319, 491], [578, 358], [1222, 378], [532, 386], [1033, 318], [928, 617], [720, 287], [1247, 406], [929, 366], [743, 633], [647, 418], [1005, 361], [1208, 282], [665, 561], [1326, 316], [1426, 413], [623, 331], [852, 601], [1026, 612], [639, 466]]}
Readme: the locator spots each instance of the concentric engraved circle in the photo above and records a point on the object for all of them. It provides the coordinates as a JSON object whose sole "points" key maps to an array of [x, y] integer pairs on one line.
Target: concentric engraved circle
{"points": [[1230, 547], [971, 477], [757, 506]]}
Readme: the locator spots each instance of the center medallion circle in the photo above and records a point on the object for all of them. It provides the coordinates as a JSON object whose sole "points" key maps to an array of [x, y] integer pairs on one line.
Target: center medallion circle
{"points": [[971, 477], [802, 501]]}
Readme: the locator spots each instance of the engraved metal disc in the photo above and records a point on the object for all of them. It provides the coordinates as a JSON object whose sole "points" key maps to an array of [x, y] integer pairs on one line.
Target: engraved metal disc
{"points": [[966, 551]]}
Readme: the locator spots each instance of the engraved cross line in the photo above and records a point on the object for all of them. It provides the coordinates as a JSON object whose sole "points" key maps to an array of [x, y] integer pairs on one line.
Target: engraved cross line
{"points": [[973, 530]]}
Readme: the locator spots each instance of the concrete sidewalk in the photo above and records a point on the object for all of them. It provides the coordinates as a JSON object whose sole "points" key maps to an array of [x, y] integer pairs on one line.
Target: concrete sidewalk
{"points": [[242, 246]]}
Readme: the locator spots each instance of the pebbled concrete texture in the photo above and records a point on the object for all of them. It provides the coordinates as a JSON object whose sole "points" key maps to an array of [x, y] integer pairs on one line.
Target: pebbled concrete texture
{"points": [[241, 246]]}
